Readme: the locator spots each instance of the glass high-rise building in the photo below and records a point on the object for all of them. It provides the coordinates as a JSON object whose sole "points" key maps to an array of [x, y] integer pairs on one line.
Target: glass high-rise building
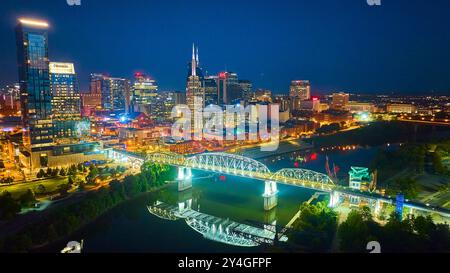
{"points": [[211, 95], [229, 90], [144, 95], [119, 93], [36, 97], [99, 84], [300, 89], [65, 100], [115, 92], [246, 89]]}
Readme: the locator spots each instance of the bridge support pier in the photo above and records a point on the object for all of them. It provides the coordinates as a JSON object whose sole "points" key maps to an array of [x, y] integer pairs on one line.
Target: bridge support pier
{"points": [[378, 207], [184, 178], [335, 199], [270, 195]]}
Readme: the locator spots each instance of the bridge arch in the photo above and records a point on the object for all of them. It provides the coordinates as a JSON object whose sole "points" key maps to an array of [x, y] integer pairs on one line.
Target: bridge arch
{"points": [[166, 158], [229, 163], [304, 177]]}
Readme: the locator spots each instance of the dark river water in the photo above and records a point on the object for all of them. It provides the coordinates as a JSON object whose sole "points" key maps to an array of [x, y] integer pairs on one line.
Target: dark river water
{"points": [[131, 228]]}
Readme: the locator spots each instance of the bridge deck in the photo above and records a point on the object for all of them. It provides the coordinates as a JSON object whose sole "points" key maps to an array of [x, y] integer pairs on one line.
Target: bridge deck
{"points": [[218, 229]]}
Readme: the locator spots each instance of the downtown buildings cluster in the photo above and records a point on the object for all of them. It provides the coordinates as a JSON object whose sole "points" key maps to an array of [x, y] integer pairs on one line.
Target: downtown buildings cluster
{"points": [[62, 125]]}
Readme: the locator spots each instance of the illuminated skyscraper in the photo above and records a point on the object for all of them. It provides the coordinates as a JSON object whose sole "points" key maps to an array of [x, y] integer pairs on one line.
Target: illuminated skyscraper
{"points": [[300, 90], [229, 89], [195, 93], [211, 90], [114, 92], [144, 94], [65, 100], [119, 92], [36, 99], [246, 89]]}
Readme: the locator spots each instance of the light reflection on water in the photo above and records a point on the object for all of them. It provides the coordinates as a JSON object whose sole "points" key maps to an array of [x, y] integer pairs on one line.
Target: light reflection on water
{"points": [[131, 228]]}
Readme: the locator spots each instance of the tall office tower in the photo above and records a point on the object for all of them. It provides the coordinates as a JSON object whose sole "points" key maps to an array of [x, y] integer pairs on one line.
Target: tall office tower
{"points": [[301, 90], [339, 101], [164, 105], [211, 90], [246, 88], [228, 89], [65, 100], [113, 91], [145, 91], [33, 64], [195, 93], [99, 85], [119, 90], [179, 97]]}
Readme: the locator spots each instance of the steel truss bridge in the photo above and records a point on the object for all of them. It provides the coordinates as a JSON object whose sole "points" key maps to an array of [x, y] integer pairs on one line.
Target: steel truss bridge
{"points": [[224, 163], [237, 165], [215, 228]]}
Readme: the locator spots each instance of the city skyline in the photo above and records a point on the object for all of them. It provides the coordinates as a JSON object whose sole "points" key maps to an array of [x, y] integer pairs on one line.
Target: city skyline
{"points": [[395, 60]]}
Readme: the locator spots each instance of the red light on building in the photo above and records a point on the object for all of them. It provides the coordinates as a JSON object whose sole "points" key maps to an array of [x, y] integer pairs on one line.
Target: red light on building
{"points": [[222, 75], [314, 156], [296, 164], [223, 178], [315, 98]]}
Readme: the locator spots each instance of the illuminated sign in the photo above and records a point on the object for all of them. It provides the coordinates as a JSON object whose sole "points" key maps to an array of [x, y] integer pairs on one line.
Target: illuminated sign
{"points": [[61, 68], [32, 22]]}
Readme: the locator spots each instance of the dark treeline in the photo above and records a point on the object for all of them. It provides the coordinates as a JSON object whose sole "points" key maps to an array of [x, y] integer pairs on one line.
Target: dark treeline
{"points": [[65, 221], [415, 235], [314, 230], [317, 230], [397, 168]]}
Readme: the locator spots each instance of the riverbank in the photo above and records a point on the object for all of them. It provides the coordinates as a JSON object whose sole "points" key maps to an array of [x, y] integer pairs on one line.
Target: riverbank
{"points": [[43, 247], [284, 147], [69, 219]]}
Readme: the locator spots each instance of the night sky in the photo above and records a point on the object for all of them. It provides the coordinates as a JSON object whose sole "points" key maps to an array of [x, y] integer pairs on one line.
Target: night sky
{"points": [[339, 45]]}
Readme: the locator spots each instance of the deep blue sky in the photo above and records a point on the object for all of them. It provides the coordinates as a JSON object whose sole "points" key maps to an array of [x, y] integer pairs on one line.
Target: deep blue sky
{"points": [[345, 45]]}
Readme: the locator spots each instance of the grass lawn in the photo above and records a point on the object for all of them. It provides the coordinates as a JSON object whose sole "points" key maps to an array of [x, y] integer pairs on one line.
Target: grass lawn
{"points": [[50, 185]]}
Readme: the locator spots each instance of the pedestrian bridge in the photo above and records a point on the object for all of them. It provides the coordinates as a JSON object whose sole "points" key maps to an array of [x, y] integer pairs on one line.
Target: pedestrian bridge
{"points": [[237, 165]]}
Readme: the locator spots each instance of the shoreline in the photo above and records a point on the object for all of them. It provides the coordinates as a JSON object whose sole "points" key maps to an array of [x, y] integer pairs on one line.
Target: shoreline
{"points": [[40, 248]]}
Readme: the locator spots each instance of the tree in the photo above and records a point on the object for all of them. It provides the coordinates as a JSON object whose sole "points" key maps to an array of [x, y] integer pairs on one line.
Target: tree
{"points": [[63, 189], [62, 172], [27, 199], [315, 228], [40, 174], [354, 233], [70, 180], [8, 206], [55, 172], [40, 189], [49, 172], [437, 163]]}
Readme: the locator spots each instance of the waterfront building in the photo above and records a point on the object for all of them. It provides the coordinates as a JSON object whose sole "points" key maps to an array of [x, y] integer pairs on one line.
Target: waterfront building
{"points": [[400, 108], [359, 177]]}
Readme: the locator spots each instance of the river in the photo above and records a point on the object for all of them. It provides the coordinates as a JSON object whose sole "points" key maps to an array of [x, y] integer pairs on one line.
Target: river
{"points": [[131, 228]]}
